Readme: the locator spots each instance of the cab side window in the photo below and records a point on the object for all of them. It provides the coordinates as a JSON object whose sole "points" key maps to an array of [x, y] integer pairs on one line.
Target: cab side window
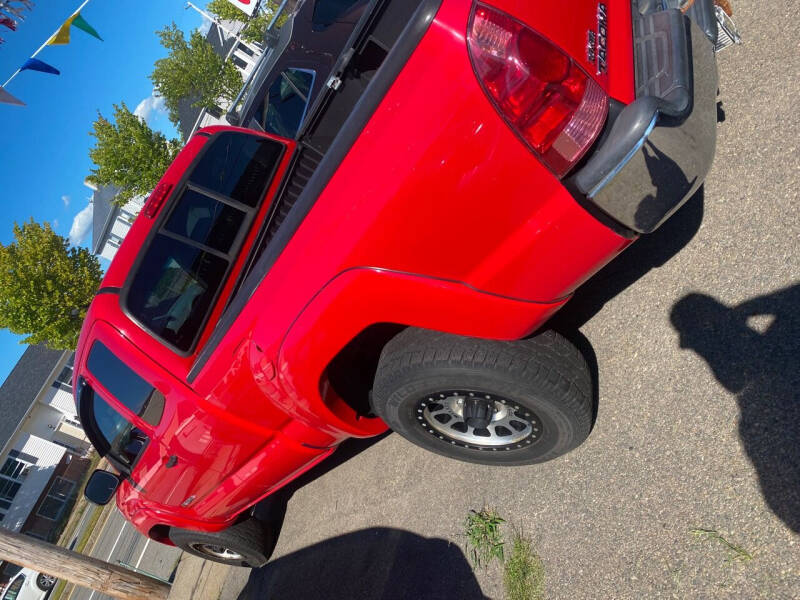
{"points": [[125, 385], [109, 431]]}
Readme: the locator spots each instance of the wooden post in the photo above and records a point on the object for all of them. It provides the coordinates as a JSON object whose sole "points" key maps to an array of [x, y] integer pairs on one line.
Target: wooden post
{"points": [[86, 571]]}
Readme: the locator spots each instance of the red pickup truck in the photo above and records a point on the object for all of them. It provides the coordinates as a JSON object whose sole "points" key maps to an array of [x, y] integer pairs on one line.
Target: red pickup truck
{"points": [[388, 261]]}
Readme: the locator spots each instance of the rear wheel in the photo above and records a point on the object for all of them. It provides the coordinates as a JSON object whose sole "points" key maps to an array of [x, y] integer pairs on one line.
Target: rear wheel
{"points": [[246, 544], [485, 401]]}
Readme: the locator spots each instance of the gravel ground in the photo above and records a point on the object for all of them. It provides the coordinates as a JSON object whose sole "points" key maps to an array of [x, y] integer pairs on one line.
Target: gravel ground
{"points": [[695, 332]]}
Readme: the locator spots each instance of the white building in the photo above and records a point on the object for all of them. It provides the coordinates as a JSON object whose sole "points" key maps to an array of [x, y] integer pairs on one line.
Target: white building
{"points": [[110, 223], [223, 37], [43, 445]]}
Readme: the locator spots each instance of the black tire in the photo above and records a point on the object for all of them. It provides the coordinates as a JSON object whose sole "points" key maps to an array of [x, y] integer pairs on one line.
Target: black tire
{"points": [[545, 377], [248, 543], [45, 582]]}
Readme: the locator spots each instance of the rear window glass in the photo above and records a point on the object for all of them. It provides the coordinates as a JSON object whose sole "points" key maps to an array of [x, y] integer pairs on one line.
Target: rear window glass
{"points": [[327, 12], [173, 289], [189, 257], [237, 165], [205, 220], [125, 385]]}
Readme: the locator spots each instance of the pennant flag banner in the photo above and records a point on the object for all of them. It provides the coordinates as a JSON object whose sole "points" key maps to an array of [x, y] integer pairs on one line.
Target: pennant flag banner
{"points": [[6, 98], [61, 37], [34, 64], [9, 22]]}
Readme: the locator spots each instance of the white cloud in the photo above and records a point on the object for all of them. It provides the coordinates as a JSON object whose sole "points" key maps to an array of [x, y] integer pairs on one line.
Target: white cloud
{"points": [[65, 199], [54, 225], [205, 25], [81, 225], [148, 107]]}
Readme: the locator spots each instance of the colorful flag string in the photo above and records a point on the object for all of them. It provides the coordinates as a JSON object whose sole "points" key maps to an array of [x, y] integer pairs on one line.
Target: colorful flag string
{"points": [[60, 37]]}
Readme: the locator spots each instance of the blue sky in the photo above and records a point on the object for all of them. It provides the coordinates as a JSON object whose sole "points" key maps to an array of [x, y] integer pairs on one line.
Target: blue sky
{"points": [[44, 146]]}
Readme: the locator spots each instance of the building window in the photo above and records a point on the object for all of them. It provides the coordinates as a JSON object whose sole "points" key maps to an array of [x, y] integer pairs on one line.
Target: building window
{"points": [[12, 475], [57, 497], [64, 379], [239, 63], [71, 449]]}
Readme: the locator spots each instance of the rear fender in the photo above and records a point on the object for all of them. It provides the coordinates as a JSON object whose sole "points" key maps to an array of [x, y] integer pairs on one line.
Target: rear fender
{"points": [[363, 296]]}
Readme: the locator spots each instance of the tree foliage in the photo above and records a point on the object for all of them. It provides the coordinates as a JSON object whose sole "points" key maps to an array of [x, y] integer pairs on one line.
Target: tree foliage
{"points": [[45, 286], [192, 70], [256, 25], [129, 154]]}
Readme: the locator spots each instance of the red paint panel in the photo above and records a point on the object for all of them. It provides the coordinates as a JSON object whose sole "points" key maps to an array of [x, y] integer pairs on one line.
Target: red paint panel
{"points": [[438, 217]]}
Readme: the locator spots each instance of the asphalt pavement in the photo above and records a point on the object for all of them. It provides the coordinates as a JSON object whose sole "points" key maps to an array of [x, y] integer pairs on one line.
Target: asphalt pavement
{"points": [[119, 543], [695, 334]]}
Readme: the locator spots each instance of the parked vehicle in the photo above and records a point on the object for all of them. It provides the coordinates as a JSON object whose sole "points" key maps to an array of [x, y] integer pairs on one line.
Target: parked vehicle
{"points": [[29, 585], [390, 264], [293, 72]]}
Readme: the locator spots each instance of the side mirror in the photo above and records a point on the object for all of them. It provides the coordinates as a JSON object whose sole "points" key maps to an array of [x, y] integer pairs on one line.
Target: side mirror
{"points": [[101, 487]]}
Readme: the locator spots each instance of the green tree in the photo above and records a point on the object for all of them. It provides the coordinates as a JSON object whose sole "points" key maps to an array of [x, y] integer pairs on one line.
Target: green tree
{"points": [[256, 25], [129, 154], [45, 286], [192, 70]]}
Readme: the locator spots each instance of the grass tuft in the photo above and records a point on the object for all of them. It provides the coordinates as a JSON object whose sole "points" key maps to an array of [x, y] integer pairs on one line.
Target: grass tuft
{"points": [[735, 552], [484, 538], [523, 575]]}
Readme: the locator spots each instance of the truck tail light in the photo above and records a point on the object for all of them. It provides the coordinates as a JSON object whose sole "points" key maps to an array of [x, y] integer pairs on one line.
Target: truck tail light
{"points": [[547, 99], [156, 199]]}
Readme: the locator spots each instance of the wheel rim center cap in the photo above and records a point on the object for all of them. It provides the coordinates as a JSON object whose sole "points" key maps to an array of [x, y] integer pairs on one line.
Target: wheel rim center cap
{"points": [[478, 412]]}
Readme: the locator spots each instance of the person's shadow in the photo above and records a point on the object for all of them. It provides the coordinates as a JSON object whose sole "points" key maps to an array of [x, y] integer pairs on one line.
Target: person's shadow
{"points": [[754, 351], [378, 562]]}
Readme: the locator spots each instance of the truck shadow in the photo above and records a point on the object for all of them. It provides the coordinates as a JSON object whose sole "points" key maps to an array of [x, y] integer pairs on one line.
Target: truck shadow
{"points": [[753, 349], [649, 252], [377, 562], [272, 509]]}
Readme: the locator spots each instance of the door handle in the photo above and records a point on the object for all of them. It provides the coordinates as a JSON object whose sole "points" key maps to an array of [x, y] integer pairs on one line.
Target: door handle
{"points": [[172, 461]]}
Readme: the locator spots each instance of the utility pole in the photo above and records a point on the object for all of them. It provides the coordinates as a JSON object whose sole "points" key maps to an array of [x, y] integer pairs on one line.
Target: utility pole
{"points": [[85, 571]]}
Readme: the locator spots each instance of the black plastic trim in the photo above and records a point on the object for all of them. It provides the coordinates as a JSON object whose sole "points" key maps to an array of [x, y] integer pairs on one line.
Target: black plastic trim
{"points": [[376, 90], [108, 290]]}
